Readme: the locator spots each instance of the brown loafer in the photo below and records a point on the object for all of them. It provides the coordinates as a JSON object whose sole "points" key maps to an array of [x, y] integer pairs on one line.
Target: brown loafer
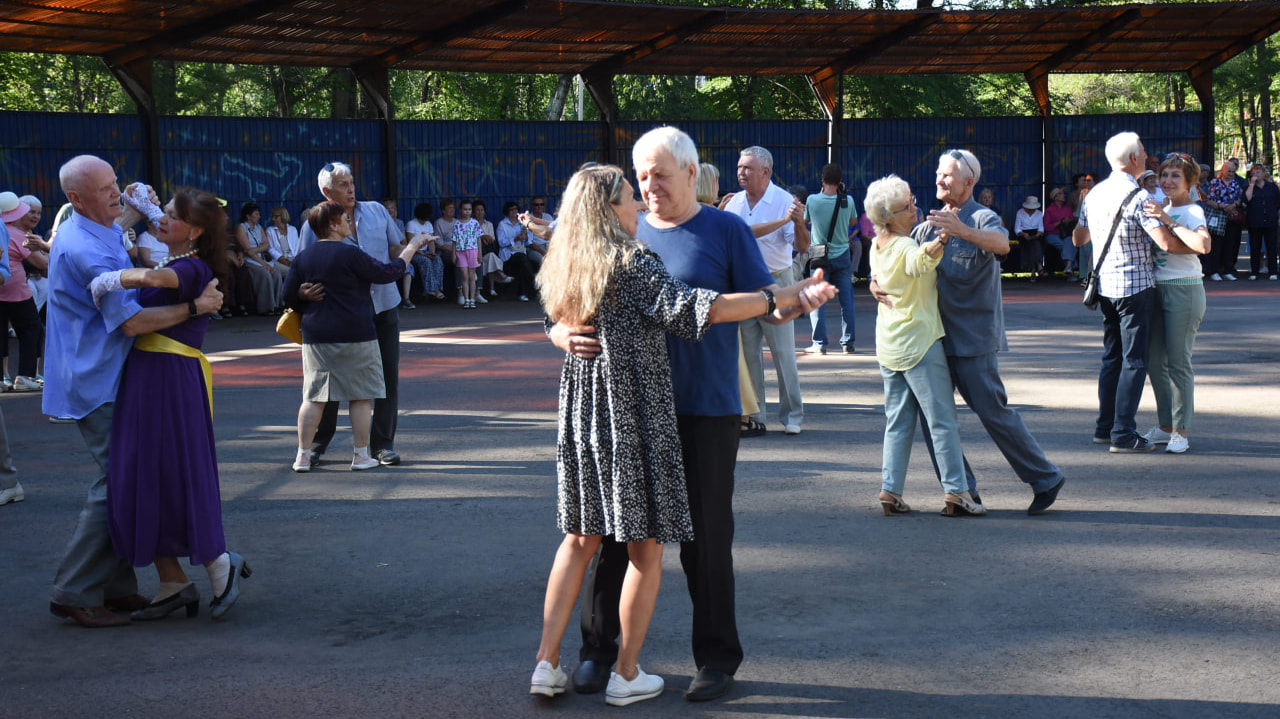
{"points": [[130, 603], [89, 617]]}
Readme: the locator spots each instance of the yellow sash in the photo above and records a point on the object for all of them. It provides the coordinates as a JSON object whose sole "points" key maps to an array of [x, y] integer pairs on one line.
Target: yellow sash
{"points": [[156, 342]]}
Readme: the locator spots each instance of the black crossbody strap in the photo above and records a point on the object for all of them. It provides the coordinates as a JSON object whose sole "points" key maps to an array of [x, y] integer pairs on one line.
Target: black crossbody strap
{"points": [[835, 215], [1114, 225]]}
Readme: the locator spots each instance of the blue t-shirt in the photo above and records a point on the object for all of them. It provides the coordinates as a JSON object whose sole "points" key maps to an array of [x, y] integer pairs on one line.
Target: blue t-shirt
{"points": [[713, 250]]}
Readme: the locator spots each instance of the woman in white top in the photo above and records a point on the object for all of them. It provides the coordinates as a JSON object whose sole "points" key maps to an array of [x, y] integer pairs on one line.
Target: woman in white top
{"points": [[1028, 225], [1181, 304], [268, 284], [282, 239], [151, 251], [427, 264]]}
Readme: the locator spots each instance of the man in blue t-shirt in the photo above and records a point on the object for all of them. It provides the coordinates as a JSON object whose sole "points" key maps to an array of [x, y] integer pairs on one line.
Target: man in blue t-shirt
{"points": [[703, 247]]}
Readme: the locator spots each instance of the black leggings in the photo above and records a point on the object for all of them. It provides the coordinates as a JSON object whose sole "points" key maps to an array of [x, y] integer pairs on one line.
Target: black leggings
{"points": [[26, 324]]}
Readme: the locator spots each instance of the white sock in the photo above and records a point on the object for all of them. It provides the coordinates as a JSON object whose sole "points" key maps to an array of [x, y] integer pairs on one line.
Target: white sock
{"points": [[303, 455], [168, 589], [219, 571], [362, 452]]}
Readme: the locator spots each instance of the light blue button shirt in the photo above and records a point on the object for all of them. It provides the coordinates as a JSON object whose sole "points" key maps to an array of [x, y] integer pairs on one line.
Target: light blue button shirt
{"points": [[84, 348], [378, 234]]}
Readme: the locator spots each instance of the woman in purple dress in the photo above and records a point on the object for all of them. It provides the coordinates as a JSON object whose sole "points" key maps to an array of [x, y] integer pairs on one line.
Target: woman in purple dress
{"points": [[162, 475]]}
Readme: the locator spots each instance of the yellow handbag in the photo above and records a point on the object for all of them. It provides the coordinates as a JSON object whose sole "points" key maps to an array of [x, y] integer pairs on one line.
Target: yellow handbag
{"points": [[289, 326]]}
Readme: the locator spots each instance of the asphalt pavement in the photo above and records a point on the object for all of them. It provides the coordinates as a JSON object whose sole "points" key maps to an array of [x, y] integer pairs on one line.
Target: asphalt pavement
{"points": [[1149, 590]]}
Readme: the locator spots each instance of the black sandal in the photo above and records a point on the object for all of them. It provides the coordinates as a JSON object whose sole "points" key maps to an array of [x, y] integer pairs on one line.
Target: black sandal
{"points": [[752, 428]]}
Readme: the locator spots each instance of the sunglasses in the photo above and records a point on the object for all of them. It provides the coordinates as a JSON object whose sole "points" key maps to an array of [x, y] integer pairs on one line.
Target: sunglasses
{"points": [[1180, 155], [960, 157]]}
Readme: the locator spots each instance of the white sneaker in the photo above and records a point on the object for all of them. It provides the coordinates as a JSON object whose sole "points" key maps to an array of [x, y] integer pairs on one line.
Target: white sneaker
{"points": [[622, 692], [493, 293], [12, 494], [359, 462], [1177, 444], [1215, 277], [1156, 436], [26, 384], [792, 429], [816, 349], [524, 298], [462, 300], [480, 298], [1229, 277], [548, 680], [1274, 277], [302, 462]]}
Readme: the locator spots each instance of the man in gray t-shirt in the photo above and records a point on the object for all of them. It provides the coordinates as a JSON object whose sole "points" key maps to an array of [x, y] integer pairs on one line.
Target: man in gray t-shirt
{"points": [[972, 310]]}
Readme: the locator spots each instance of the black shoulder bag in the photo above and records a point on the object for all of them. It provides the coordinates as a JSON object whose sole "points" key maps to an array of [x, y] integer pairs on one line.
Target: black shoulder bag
{"points": [[818, 253], [1091, 285]]}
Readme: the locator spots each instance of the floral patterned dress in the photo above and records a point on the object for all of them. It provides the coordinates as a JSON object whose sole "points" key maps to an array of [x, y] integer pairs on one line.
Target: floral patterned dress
{"points": [[619, 464]]}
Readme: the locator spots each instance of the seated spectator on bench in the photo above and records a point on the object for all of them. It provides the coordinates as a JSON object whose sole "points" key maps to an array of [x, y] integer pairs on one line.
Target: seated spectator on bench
{"points": [[1059, 221], [1029, 227]]}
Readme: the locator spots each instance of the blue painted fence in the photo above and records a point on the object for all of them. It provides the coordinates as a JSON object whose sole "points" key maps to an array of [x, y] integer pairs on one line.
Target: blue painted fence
{"points": [[275, 162]]}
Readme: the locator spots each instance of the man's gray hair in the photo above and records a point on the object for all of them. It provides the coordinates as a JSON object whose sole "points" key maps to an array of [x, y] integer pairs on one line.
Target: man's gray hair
{"points": [[73, 171], [331, 171], [885, 197], [32, 201], [764, 156], [1120, 147], [670, 139], [965, 159]]}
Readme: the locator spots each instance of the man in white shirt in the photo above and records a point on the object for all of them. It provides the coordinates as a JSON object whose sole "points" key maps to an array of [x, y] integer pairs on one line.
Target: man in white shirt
{"points": [[762, 202]]}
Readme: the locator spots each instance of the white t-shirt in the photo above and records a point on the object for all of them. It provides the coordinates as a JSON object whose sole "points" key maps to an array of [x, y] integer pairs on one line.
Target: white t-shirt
{"points": [[159, 250], [1179, 267]]}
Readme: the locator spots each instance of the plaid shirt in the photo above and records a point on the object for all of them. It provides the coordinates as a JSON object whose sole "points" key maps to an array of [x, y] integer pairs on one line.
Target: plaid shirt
{"points": [[1129, 266]]}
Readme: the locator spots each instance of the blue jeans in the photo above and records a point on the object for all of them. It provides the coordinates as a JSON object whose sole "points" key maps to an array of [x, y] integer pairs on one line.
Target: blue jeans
{"points": [[839, 274], [924, 388], [1126, 322], [1066, 248]]}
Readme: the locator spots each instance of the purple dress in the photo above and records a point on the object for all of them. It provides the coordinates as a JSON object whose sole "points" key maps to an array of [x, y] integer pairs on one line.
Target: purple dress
{"points": [[162, 471]]}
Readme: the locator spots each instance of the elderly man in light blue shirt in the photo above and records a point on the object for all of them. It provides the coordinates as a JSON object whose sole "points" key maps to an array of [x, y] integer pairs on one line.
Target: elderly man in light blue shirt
{"points": [[376, 233], [85, 351]]}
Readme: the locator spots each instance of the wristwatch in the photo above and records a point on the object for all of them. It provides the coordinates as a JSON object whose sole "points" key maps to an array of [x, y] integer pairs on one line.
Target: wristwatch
{"points": [[191, 306], [770, 302]]}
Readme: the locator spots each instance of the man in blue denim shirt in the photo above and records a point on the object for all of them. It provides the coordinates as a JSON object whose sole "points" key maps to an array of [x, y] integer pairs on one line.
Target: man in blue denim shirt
{"points": [[375, 233]]}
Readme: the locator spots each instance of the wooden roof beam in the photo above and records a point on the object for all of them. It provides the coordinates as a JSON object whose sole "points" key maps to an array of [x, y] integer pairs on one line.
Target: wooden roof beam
{"points": [[484, 16], [193, 30], [1079, 45], [611, 65], [1234, 48], [825, 82]]}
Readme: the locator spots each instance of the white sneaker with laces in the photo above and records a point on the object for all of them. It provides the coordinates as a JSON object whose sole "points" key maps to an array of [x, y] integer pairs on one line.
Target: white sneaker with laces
{"points": [[1215, 277], [1177, 444], [1229, 277], [26, 384], [548, 680], [622, 692], [480, 298], [1156, 436]]}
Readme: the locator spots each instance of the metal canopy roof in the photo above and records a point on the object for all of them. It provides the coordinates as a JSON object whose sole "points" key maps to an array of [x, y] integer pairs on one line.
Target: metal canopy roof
{"points": [[601, 38]]}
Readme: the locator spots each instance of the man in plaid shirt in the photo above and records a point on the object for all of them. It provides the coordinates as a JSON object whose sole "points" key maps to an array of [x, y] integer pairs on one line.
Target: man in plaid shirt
{"points": [[1127, 286]]}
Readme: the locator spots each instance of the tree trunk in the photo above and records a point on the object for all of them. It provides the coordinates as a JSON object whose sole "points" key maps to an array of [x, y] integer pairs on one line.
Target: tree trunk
{"points": [[555, 109], [1264, 111], [280, 90], [747, 100]]}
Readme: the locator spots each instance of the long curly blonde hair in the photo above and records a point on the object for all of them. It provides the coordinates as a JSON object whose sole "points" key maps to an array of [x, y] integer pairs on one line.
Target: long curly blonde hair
{"points": [[588, 244]]}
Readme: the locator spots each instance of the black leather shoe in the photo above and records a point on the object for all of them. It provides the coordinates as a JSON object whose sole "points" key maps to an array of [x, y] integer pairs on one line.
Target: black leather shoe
{"points": [[709, 684], [1044, 500], [387, 457], [590, 677]]}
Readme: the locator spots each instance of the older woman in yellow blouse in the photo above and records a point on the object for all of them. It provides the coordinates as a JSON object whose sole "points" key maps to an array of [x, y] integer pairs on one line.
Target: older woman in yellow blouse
{"points": [[909, 349]]}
